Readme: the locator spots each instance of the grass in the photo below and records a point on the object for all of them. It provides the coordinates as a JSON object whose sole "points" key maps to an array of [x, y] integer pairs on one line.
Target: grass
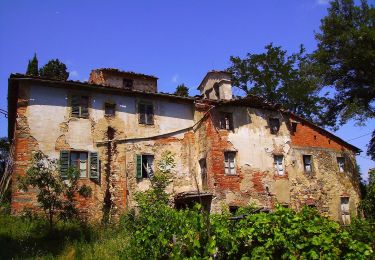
{"points": [[22, 238]]}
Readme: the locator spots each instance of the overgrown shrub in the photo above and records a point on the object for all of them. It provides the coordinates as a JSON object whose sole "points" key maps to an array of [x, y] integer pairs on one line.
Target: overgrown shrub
{"points": [[159, 231]]}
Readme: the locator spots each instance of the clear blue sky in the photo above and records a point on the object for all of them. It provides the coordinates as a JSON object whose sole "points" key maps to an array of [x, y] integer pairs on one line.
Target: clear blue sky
{"points": [[177, 41]]}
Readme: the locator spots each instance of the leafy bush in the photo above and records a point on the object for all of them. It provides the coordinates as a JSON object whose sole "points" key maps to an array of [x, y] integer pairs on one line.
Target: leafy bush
{"points": [[55, 196], [159, 231]]}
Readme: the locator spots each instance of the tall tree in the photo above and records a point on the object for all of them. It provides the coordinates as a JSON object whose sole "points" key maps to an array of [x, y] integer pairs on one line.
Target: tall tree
{"points": [[32, 67], [280, 78], [346, 58], [4, 151], [182, 90], [54, 69], [368, 201]]}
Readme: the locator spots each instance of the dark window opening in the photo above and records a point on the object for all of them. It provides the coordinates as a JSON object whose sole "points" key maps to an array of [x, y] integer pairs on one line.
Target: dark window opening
{"points": [[203, 166], [146, 113], [217, 91], [233, 209], [226, 121], [80, 106], [145, 166], [307, 163], [127, 83], [79, 160], [230, 163], [274, 124], [294, 127], [109, 109]]}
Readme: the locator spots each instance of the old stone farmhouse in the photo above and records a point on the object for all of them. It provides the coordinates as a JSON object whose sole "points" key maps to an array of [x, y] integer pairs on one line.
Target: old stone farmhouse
{"points": [[229, 151]]}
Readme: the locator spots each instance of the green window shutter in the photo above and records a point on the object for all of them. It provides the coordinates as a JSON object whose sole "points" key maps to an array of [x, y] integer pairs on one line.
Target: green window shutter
{"points": [[94, 166], [64, 163], [75, 106], [139, 166]]}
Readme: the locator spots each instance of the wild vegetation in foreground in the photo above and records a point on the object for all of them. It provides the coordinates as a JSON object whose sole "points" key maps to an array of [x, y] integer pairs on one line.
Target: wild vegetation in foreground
{"points": [[158, 231]]}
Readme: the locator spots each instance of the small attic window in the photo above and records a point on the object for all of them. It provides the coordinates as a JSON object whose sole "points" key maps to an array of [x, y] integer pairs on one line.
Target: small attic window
{"points": [[127, 83], [109, 109]]}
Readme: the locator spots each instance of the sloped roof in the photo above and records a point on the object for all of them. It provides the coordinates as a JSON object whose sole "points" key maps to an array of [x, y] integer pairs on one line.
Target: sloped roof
{"points": [[250, 100], [125, 73]]}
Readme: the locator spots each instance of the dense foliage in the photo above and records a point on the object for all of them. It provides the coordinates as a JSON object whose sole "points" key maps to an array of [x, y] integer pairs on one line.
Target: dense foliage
{"points": [[160, 231], [4, 151], [56, 197], [54, 69], [368, 200], [280, 78], [32, 67], [182, 90], [345, 56]]}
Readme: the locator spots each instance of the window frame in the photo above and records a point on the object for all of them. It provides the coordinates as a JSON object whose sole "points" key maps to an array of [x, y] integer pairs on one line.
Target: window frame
{"points": [[223, 123], [111, 106], [228, 170], [275, 162], [338, 158], [143, 172], [77, 165], [127, 83], [305, 164], [146, 106], [272, 120], [80, 105]]}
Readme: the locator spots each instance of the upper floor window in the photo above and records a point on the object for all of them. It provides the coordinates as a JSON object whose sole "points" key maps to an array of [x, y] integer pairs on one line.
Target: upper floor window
{"points": [[217, 90], [127, 83], [109, 109], [80, 106], [146, 113], [274, 124], [307, 163], [145, 166], [226, 121], [341, 163], [279, 165], [294, 127], [230, 163]]}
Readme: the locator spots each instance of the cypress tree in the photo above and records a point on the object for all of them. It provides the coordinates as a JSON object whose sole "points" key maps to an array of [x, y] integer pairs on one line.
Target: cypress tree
{"points": [[32, 67]]}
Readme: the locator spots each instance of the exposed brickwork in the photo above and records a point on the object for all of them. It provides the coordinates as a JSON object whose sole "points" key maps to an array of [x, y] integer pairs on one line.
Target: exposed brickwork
{"points": [[309, 136]]}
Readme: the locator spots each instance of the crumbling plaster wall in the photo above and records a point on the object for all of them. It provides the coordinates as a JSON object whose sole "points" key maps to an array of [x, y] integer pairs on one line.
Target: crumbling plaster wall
{"points": [[225, 87], [256, 180], [325, 185], [48, 122]]}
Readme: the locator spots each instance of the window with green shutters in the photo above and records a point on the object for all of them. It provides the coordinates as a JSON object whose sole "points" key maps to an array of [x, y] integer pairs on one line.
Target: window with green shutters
{"points": [[86, 162], [94, 165], [139, 166], [144, 166], [64, 163]]}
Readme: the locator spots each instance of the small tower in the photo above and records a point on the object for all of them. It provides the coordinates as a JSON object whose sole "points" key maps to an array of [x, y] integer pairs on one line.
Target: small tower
{"points": [[216, 85]]}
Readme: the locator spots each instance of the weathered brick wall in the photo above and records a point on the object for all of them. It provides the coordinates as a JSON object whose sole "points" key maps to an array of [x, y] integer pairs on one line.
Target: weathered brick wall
{"points": [[325, 186]]}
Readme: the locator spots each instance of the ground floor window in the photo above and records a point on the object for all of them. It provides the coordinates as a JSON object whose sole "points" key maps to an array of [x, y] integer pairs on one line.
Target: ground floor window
{"points": [[79, 160], [230, 163], [345, 213], [145, 166]]}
